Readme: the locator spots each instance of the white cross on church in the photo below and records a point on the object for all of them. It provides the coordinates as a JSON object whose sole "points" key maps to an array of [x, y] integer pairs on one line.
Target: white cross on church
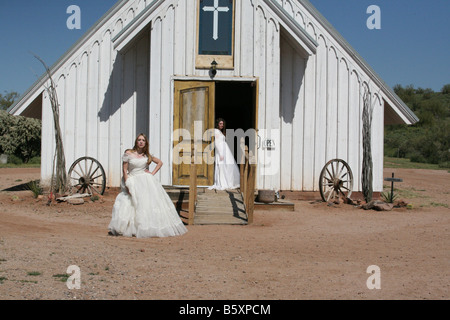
{"points": [[216, 9]]}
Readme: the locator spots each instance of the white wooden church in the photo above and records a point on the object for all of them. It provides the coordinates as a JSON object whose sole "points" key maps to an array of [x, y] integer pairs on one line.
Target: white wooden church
{"points": [[280, 68]]}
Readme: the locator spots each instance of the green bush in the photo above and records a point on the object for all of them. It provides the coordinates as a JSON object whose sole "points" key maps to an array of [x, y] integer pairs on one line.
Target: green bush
{"points": [[34, 186], [388, 196], [20, 136], [14, 160], [35, 160], [417, 157], [445, 164]]}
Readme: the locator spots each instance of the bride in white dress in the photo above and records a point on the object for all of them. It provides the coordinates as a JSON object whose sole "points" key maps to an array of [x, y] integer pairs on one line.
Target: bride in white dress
{"points": [[143, 208], [226, 170]]}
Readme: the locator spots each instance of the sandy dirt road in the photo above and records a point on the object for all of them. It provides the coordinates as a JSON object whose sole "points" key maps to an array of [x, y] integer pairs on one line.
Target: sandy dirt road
{"points": [[316, 252]]}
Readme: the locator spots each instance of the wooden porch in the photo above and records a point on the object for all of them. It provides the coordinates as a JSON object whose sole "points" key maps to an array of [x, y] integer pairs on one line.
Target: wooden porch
{"points": [[206, 206], [201, 206]]}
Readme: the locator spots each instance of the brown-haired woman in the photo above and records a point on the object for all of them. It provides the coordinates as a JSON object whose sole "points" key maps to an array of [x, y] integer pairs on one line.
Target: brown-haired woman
{"points": [[143, 208]]}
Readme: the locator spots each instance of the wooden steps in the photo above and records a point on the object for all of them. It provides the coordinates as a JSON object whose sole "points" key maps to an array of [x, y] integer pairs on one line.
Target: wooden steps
{"points": [[220, 207], [215, 207]]}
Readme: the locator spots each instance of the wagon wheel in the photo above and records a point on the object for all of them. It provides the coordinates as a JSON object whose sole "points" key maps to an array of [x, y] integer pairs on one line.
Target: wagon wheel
{"points": [[336, 180], [87, 174]]}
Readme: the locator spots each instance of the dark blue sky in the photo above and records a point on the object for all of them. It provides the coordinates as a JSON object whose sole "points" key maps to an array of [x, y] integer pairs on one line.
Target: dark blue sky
{"points": [[39, 26], [412, 46]]}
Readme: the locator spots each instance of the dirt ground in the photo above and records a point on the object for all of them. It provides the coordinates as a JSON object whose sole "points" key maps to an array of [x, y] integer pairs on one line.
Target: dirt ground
{"points": [[316, 252]]}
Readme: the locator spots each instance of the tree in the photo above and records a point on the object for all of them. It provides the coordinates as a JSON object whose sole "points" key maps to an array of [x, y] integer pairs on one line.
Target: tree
{"points": [[59, 182], [8, 99], [428, 140], [6, 122], [446, 89], [367, 165]]}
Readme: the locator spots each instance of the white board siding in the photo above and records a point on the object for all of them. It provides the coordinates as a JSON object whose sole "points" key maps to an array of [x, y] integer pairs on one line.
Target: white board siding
{"points": [[80, 116], [180, 39], [189, 33], [61, 95], [273, 157], [237, 38], [247, 19], [104, 100], [267, 69], [141, 85], [298, 80], [342, 107], [321, 111], [111, 96], [338, 121], [354, 125], [167, 70], [116, 149], [259, 52], [331, 106], [92, 105], [164, 62], [292, 115], [155, 88], [70, 110], [377, 141], [127, 109], [48, 139], [309, 112], [286, 113]]}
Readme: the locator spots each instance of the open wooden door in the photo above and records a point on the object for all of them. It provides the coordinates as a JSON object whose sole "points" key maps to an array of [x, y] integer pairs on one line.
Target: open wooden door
{"points": [[193, 108]]}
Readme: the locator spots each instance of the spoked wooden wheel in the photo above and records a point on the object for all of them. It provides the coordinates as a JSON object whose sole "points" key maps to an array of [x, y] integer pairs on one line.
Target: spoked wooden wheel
{"points": [[86, 175], [336, 180]]}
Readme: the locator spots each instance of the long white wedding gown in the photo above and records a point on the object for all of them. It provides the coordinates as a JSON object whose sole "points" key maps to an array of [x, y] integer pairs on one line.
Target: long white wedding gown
{"points": [[226, 171], [147, 211]]}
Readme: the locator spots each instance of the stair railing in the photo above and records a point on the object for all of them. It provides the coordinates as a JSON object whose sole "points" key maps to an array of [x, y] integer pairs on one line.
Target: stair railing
{"points": [[192, 188], [247, 179]]}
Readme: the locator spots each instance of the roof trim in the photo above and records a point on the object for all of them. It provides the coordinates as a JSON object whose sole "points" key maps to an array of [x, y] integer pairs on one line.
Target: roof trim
{"points": [[135, 26], [300, 33], [289, 22]]}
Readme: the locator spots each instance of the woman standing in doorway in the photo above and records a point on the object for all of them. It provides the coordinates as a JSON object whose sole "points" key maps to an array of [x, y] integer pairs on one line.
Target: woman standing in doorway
{"points": [[226, 174], [143, 208]]}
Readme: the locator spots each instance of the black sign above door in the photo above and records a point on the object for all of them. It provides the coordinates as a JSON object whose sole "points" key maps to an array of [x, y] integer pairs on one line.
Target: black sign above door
{"points": [[215, 27]]}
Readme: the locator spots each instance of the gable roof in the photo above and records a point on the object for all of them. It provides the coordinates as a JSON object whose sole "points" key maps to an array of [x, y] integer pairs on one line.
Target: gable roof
{"points": [[37, 88], [398, 109]]}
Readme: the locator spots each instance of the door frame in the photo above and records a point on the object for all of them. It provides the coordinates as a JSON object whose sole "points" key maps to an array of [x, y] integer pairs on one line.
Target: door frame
{"points": [[254, 80]]}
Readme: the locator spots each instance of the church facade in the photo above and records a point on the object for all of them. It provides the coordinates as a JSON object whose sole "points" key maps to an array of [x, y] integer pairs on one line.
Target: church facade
{"points": [[275, 68]]}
